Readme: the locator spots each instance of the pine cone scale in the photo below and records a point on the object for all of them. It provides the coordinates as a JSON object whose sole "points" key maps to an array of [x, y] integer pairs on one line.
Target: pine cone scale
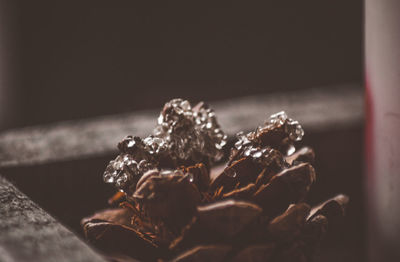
{"points": [[179, 207]]}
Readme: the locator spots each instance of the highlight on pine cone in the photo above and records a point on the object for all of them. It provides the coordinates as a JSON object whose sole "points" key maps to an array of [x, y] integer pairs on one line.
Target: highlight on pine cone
{"points": [[169, 208], [184, 136]]}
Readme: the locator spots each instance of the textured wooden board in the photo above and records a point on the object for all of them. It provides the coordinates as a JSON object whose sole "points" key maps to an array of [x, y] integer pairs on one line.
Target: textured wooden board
{"points": [[324, 108], [30, 234]]}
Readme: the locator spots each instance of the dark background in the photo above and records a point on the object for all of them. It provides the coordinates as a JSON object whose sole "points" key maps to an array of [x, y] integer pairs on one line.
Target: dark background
{"points": [[63, 60], [75, 59]]}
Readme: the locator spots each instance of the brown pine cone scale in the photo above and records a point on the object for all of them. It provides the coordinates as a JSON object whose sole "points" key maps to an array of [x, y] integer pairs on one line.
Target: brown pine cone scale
{"points": [[176, 206]]}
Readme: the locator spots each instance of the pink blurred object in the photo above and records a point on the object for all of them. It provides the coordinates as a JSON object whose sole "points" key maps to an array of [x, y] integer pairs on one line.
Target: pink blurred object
{"points": [[382, 51]]}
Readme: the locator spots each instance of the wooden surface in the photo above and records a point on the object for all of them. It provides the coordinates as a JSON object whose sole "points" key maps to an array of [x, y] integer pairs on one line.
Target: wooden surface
{"points": [[29, 234], [324, 108]]}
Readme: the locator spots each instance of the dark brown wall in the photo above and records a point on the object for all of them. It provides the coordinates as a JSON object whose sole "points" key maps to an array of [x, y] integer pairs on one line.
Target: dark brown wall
{"points": [[85, 58]]}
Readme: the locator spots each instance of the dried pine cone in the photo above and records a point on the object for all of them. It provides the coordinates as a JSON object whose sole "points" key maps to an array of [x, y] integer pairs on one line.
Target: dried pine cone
{"points": [[171, 207]]}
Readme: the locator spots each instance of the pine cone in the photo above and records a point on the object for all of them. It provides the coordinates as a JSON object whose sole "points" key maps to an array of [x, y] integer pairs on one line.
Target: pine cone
{"points": [[174, 207]]}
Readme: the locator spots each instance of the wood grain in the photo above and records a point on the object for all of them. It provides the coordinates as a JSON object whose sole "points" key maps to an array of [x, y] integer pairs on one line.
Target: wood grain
{"points": [[30, 234]]}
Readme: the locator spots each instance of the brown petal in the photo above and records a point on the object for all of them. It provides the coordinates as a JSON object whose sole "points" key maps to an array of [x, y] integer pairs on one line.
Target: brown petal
{"points": [[265, 176], [255, 253], [312, 234], [290, 223], [333, 209], [120, 216], [227, 217], [304, 154], [243, 193], [190, 235], [293, 253], [216, 171], [120, 258], [170, 199], [275, 138], [314, 229], [117, 198], [211, 253], [200, 174], [118, 239], [242, 172], [147, 175], [289, 186]]}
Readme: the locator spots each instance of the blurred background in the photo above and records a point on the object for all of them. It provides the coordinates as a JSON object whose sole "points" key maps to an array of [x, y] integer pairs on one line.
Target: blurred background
{"points": [[63, 60]]}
